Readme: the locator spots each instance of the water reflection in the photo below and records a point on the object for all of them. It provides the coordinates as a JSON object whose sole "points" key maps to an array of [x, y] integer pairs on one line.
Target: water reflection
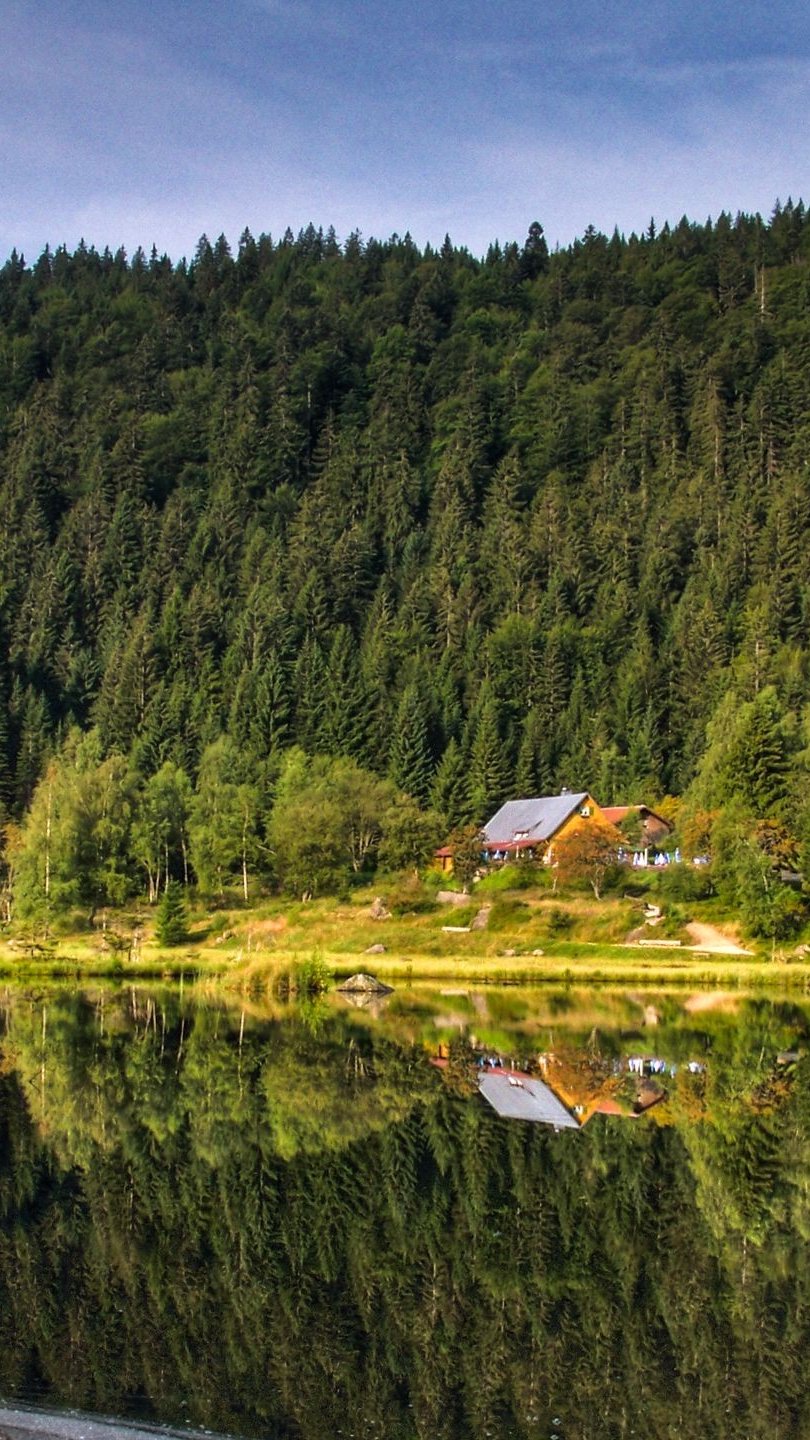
{"points": [[265, 1226]]}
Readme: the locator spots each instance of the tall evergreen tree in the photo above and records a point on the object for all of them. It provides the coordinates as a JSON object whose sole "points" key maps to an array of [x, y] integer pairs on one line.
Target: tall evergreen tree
{"points": [[411, 762], [489, 779]]}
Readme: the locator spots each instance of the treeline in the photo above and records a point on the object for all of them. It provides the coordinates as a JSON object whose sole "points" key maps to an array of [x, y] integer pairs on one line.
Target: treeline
{"points": [[483, 527], [97, 833]]}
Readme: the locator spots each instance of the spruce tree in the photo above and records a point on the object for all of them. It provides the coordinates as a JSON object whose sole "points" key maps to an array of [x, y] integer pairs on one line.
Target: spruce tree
{"points": [[171, 921], [449, 793], [533, 772], [411, 763], [345, 714], [757, 762], [489, 775]]}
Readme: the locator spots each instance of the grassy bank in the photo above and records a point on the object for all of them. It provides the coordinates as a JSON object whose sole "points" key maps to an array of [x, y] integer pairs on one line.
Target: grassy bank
{"points": [[530, 935]]}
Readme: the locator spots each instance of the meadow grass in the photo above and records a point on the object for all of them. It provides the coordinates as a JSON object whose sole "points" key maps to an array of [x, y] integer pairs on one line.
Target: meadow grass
{"points": [[581, 939]]}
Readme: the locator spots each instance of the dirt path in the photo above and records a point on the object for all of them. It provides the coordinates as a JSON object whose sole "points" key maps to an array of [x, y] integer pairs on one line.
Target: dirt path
{"points": [[712, 941]]}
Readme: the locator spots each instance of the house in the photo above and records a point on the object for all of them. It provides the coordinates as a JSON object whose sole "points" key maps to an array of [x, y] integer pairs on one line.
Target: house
{"points": [[529, 827], [655, 830]]}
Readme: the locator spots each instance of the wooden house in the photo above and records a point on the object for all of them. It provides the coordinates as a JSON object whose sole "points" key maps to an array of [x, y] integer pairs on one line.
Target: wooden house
{"points": [[655, 830], [530, 828]]}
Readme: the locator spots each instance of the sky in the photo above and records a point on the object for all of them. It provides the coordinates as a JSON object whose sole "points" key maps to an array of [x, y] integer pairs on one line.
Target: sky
{"points": [[132, 123]]}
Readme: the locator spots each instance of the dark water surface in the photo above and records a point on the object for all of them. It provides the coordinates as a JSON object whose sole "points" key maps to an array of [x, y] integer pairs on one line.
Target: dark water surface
{"points": [[288, 1222]]}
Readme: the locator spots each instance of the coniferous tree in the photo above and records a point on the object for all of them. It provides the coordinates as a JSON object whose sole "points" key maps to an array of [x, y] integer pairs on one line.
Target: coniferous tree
{"points": [[171, 918], [411, 763], [449, 793], [489, 775]]}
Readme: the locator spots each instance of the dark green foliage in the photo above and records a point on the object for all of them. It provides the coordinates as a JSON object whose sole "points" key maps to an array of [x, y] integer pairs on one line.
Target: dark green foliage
{"points": [[171, 918], [489, 779], [411, 763], [542, 511], [325, 1235]]}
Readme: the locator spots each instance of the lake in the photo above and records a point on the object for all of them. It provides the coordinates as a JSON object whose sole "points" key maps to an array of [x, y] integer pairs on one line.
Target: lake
{"points": [[289, 1221]]}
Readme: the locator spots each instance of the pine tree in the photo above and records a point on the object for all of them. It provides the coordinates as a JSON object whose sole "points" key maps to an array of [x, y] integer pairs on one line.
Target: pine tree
{"points": [[310, 695], [411, 762], [535, 760], [345, 711], [489, 775], [449, 792], [757, 763], [171, 919]]}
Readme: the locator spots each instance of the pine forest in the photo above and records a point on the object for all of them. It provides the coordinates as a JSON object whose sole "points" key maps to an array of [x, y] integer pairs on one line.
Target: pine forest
{"points": [[365, 521]]}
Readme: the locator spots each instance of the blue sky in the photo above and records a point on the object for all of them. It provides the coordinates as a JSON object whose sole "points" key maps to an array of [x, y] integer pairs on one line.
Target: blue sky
{"points": [[129, 123]]}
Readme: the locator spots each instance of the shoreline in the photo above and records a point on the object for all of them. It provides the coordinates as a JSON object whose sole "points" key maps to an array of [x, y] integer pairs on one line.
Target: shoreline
{"points": [[568, 962]]}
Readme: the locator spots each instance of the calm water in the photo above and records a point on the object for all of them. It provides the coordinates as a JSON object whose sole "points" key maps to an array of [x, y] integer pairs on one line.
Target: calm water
{"points": [[288, 1222]]}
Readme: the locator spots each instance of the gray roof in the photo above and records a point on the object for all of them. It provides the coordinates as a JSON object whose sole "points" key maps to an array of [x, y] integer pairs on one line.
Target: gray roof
{"points": [[525, 1099], [532, 819]]}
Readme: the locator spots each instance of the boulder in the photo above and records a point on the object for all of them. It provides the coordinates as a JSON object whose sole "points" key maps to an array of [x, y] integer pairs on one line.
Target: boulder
{"points": [[379, 910], [363, 984], [509, 953], [376, 950], [482, 918], [451, 897]]}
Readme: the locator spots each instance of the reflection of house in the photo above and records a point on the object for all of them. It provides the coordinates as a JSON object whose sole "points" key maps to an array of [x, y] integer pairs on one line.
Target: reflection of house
{"points": [[655, 830], [573, 1098], [520, 1097], [529, 827], [588, 1088]]}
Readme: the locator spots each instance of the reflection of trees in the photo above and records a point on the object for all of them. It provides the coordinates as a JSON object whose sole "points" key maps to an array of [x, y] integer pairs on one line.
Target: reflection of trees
{"points": [[295, 1243]]}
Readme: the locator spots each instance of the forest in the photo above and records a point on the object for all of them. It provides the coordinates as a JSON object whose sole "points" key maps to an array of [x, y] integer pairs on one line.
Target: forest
{"points": [[313, 520]]}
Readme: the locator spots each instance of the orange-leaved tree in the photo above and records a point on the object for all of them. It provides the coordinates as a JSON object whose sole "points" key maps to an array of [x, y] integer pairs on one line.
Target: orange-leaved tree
{"points": [[587, 852]]}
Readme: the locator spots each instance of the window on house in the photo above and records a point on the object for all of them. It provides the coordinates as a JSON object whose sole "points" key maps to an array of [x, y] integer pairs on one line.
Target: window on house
{"points": [[585, 811]]}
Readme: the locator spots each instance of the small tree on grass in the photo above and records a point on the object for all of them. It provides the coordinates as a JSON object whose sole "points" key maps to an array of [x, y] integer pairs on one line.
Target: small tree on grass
{"points": [[171, 926], [587, 853], [466, 845], [409, 835]]}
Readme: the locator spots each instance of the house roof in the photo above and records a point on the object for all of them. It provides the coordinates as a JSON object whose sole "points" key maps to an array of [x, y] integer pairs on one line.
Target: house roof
{"points": [[530, 820], [522, 1098], [616, 813]]}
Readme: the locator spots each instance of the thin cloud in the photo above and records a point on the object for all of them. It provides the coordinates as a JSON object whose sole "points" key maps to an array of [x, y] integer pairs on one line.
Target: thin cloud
{"points": [[133, 128]]}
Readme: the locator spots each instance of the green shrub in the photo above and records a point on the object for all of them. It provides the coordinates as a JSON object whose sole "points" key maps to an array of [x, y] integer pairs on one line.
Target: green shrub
{"points": [[687, 883], [671, 923], [506, 913], [307, 977], [410, 896], [559, 921], [457, 914], [524, 875]]}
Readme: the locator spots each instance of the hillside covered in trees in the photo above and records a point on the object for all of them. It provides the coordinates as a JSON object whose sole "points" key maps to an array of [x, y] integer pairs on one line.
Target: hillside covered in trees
{"points": [[482, 527]]}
